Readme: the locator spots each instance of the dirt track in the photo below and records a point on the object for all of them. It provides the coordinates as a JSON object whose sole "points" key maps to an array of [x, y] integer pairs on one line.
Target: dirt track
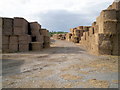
{"points": [[64, 65]]}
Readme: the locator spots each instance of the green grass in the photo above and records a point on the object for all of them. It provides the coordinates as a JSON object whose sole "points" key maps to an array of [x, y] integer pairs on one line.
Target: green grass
{"points": [[60, 32]]}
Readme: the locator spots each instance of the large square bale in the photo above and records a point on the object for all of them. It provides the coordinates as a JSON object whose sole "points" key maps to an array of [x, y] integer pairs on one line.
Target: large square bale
{"points": [[109, 27], [105, 43], [46, 45], [7, 28], [24, 39], [44, 32], [5, 48], [5, 39], [35, 27], [46, 39], [40, 38], [36, 46], [20, 26], [35, 32], [19, 31], [23, 47], [108, 15], [116, 5], [103, 37], [94, 43], [13, 39], [20, 22], [13, 47]]}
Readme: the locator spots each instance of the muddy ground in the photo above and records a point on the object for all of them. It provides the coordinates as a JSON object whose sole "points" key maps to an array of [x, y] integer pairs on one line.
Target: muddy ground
{"points": [[64, 65]]}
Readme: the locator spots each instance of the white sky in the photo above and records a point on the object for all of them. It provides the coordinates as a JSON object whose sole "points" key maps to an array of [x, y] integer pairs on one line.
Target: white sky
{"points": [[30, 8]]}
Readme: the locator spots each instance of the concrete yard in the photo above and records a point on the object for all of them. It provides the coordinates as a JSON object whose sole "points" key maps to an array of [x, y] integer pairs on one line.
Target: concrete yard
{"points": [[64, 65]]}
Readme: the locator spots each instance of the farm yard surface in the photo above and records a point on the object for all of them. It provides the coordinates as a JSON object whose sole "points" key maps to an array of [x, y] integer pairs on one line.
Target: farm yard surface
{"points": [[64, 65]]}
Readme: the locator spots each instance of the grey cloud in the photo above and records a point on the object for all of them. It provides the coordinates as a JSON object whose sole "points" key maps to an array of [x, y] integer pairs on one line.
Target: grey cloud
{"points": [[62, 20]]}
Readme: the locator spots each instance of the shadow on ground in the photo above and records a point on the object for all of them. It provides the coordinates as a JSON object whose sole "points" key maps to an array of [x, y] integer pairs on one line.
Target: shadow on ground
{"points": [[10, 67]]}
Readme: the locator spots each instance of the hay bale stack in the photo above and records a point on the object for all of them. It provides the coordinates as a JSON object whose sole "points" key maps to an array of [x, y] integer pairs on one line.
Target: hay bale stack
{"points": [[7, 26], [24, 41], [34, 28], [46, 37], [17, 34], [68, 36], [20, 26], [59, 36], [103, 36], [36, 46]]}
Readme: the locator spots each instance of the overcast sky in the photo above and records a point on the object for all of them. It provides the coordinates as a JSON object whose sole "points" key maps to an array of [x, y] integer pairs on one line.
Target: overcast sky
{"points": [[55, 15]]}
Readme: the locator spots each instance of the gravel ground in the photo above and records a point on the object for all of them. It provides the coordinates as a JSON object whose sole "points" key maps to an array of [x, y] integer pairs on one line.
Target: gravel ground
{"points": [[64, 65]]}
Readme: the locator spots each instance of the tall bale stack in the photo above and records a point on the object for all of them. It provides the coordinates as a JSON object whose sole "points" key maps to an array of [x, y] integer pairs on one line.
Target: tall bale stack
{"points": [[5, 43], [59, 36], [46, 38], [108, 23], [75, 34], [17, 34], [7, 32], [20, 26], [7, 26], [21, 33], [84, 35], [35, 33], [39, 36], [68, 36], [103, 36], [36, 46], [13, 44], [34, 28], [24, 41]]}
